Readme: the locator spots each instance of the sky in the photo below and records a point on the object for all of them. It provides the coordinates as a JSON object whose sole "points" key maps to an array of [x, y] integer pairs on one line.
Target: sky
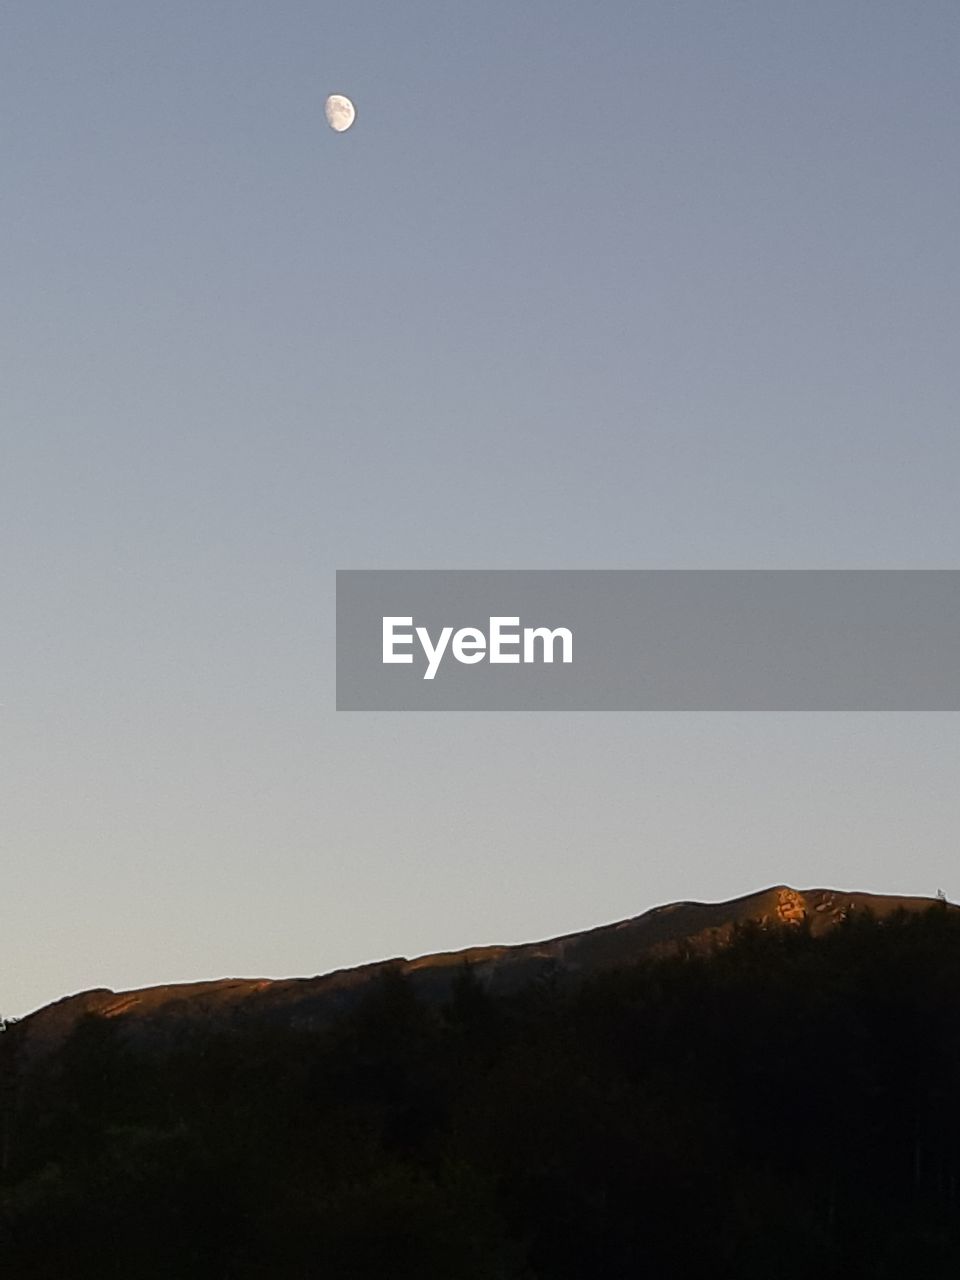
{"points": [[639, 285]]}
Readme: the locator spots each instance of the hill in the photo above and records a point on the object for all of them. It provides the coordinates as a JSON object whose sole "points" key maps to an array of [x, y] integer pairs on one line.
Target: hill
{"points": [[307, 1003], [769, 1086]]}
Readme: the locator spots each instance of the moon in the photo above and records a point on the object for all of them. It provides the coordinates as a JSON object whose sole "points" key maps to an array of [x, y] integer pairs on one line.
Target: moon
{"points": [[340, 112]]}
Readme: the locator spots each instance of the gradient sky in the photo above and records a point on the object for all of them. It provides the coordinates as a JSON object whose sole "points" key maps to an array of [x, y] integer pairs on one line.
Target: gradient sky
{"points": [[623, 286]]}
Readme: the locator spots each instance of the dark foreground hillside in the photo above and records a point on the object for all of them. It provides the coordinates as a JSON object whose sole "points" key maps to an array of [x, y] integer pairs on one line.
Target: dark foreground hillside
{"points": [[787, 1105]]}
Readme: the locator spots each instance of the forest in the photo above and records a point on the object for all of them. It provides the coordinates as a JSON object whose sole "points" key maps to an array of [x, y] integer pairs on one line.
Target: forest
{"points": [[783, 1105]]}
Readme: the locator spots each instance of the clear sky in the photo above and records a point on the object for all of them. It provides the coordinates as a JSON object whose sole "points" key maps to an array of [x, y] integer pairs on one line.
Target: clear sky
{"points": [[669, 284]]}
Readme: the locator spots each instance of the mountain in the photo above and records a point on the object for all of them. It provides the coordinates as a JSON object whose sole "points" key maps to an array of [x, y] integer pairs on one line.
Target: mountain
{"points": [[305, 1003], [769, 1086]]}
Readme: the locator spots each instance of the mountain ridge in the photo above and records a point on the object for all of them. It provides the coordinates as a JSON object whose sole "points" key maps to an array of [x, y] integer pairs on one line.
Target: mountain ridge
{"points": [[164, 1010]]}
